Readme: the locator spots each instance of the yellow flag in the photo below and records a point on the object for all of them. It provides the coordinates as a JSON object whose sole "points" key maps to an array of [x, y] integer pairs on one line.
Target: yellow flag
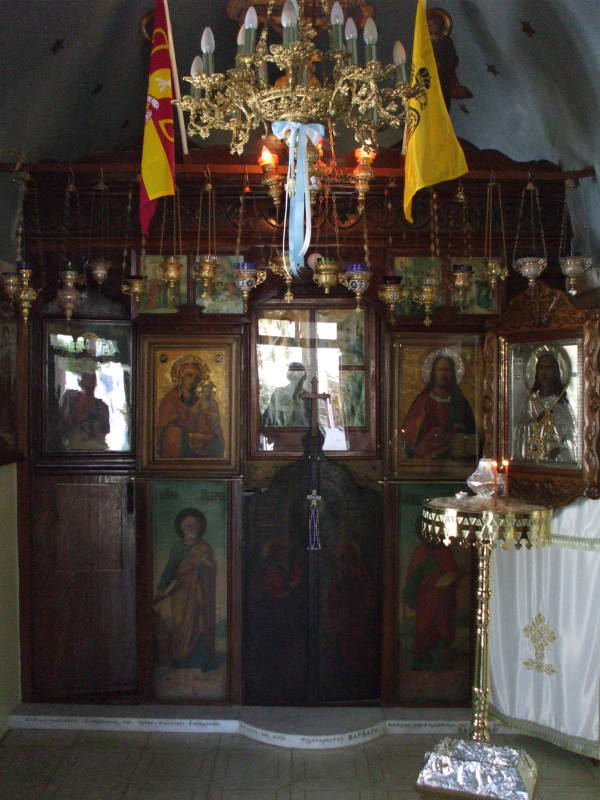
{"points": [[433, 153]]}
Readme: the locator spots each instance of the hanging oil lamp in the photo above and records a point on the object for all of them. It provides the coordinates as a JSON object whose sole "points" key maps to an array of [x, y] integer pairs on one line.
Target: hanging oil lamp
{"points": [[572, 265], [68, 297], [248, 277], [427, 296], [532, 265], [135, 287], [279, 264], [325, 273], [389, 292], [495, 265], [205, 266], [356, 278], [362, 174], [99, 269], [461, 278]]}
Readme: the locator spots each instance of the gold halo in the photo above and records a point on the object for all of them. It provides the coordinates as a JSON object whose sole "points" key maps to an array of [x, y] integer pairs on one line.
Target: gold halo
{"points": [[189, 359], [561, 356], [443, 352], [446, 22]]}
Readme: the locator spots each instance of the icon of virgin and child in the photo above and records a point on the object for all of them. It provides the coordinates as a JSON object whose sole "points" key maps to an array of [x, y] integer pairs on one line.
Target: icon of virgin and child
{"points": [[189, 424], [440, 424]]}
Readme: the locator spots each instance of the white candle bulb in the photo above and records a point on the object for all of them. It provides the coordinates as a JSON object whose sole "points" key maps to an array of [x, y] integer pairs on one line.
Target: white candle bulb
{"points": [[337, 15], [197, 67], [289, 15], [350, 30], [207, 43], [399, 54], [370, 34], [251, 19], [240, 36]]}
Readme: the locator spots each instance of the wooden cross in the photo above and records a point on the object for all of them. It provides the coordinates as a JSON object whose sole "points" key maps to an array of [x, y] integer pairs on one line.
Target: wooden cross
{"points": [[314, 398]]}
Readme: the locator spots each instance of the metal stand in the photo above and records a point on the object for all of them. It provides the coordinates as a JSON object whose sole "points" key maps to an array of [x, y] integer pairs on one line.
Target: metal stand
{"points": [[466, 768]]}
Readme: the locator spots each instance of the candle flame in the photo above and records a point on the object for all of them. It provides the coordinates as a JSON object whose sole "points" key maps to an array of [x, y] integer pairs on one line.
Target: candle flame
{"points": [[267, 158]]}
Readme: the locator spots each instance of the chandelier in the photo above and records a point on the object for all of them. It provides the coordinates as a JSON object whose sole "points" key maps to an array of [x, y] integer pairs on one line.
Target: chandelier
{"points": [[298, 92]]}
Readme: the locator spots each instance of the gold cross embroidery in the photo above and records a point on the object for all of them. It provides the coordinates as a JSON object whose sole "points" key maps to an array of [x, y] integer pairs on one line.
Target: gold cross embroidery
{"points": [[541, 635]]}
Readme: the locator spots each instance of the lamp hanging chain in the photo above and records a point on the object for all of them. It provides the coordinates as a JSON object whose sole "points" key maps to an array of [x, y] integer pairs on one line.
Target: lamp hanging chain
{"points": [[127, 223], [434, 229], [200, 205], [565, 219], [178, 212], [162, 227], [238, 240], [38, 224], [366, 239]]}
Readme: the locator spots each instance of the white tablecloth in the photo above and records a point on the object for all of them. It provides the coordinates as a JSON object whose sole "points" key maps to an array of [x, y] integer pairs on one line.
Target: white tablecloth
{"points": [[550, 598]]}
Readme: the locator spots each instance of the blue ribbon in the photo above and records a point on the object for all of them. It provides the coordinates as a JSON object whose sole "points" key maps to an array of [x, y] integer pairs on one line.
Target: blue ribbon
{"points": [[297, 190]]}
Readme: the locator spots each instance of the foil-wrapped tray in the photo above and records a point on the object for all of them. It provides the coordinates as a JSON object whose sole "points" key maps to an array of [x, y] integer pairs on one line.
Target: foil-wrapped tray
{"points": [[462, 768]]}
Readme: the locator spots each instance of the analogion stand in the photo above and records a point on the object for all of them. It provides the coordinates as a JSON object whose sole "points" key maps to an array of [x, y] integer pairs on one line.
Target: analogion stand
{"points": [[473, 767]]}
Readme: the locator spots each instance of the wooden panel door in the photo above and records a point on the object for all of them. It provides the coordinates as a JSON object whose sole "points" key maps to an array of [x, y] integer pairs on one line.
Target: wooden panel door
{"points": [[83, 587]]}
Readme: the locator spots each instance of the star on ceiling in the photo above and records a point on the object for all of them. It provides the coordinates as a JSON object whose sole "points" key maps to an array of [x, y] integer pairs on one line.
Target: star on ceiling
{"points": [[492, 69], [526, 28], [97, 88], [463, 108], [58, 45]]}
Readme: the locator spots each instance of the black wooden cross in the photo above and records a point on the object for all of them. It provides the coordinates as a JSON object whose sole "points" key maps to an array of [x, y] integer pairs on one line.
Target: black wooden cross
{"points": [[314, 398]]}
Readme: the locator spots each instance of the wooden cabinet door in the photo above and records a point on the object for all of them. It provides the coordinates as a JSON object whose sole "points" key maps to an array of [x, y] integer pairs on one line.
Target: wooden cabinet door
{"points": [[83, 587]]}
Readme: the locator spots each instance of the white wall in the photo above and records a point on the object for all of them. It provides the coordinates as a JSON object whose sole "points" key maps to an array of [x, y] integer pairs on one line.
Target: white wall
{"points": [[10, 681]]}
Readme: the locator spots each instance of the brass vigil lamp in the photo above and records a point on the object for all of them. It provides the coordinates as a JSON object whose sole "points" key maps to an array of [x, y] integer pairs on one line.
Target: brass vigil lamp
{"points": [[99, 268], [18, 289], [280, 265], [248, 277], [461, 275], [496, 270], [204, 271], [135, 286], [427, 296], [10, 284], [68, 296], [356, 278], [362, 174], [325, 273], [389, 292], [171, 269]]}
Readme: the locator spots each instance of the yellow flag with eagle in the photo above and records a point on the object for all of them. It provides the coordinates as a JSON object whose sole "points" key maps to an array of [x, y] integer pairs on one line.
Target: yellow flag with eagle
{"points": [[158, 151], [433, 153]]}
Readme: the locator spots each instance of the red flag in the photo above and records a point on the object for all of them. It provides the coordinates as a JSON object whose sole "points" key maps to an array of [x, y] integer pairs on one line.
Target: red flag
{"points": [[158, 151]]}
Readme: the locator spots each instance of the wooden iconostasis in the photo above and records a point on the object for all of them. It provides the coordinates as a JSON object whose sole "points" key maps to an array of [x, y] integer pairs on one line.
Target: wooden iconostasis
{"points": [[163, 510]]}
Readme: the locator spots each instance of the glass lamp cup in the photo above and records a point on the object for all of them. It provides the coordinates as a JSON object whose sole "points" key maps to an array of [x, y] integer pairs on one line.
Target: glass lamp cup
{"points": [[531, 267], [484, 481], [247, 276], [571, 266], [356, 278]]}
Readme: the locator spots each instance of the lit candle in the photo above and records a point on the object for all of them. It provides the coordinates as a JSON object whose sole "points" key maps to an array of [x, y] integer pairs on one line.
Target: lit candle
{"points": [[506, 465], [399, 59], [289, 23], [268, 158], [370, 35], [351, 34], [337, 27], [207, 45], [495, 495], [250, 26]]}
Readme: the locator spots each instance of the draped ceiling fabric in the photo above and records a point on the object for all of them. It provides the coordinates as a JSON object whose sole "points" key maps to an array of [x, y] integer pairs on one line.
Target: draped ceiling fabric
{"points": [[549, 597], [74, 76]]}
